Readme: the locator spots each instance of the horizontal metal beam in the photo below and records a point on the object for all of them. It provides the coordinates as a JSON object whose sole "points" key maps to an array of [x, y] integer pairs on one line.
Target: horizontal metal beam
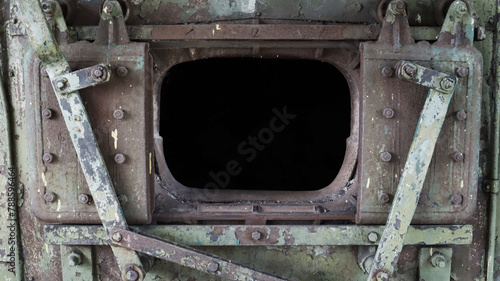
{"points": [[260, 32], [243, 235]]}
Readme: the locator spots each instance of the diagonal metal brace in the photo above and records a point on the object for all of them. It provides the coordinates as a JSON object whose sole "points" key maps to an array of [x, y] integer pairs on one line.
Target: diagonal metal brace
{"points": [[81, 79], [412, 180]]}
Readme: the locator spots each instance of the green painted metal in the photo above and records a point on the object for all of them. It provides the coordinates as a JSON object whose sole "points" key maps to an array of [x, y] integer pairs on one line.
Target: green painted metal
{"points": [[240, 235], [80, 79], [77, 263], [435, 264], [78, 124]]}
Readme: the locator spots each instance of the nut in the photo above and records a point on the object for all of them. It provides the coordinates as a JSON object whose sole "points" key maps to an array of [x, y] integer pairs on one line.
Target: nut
{"points": [[461, 9], [387, 72], [388, 112], [117, 236], [47, 8], [49, 197], [98, 73], [384, 197], [461, 115], [118, 114], [438, 260], [457, 199], [61, 84], [462, 72], [121, 71], [212, 266], [372, 237], [256, 235], [410, 70], [47, 113], [131, 275], [385, 156], [74, 258], [382, 276], [458, 156], [107, 8], [447, 83], [84, 198], [120, 158], [47, 158]]}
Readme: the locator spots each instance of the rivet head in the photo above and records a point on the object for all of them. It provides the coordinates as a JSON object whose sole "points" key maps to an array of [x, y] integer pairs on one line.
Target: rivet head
{"points": [[121, 71], [131, 275], [213, 266], [384, 197], [47, 113], [47, 158], [388, 112], [49, 197], [457, 199], [120, 158], [462, 71], [84, 198], [256, 235], [118, 114], [387, 72], [117, 237], [458, 156], [461, 115], [386, 156], [372, 237]]}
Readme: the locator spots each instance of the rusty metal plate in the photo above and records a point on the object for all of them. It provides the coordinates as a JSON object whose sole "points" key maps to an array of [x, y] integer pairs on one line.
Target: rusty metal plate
{"points": [[390, 109], [121, 116]]}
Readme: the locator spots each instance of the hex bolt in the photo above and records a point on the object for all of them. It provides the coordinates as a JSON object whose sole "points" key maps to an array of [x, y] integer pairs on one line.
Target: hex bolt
{"points": [[47, 113], [462, 71], [410, 70], [387, 72], [47, 8], [388, 112], [47, 157], [372, 237], [438, 260], [84, 198], [446, 83], [98, 72], [382, 276], [457, 156], [131, 275], [74, 258], [385, 156], [117, 236], [107, 8], [118, 114], [256, 235], [61, 84], [49, 197], [461, 9], [121, 71], [457, 199], [213, 266], [120, 158], [461, 115], [384, 197]]}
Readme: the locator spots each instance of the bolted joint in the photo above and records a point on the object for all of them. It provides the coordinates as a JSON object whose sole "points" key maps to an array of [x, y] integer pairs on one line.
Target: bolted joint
{"points": [[388, 112], [387, 72], [256, 235], [457, 156], [212, 266], [107, 8], [116, 236], [462, 71], [49, 197], [459, 8], [447, 83], [457, 199], [120, 158], [98, 73], [84, 198], [48, 8], [121, 71], [47, 157], [461, 115], [74, 258], [382, 276], [372, 237], [386, 156], [47, 113], [384, 198], [131, 275], [61, 84], [118, 114], [438, 260]]}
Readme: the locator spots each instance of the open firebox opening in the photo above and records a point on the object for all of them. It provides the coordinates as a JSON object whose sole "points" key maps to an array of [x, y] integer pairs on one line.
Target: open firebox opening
{"points": [[255, 124]]}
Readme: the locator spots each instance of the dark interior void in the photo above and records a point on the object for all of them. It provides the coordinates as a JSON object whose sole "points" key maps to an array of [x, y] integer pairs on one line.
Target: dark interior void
{"points": [[258, 124]]}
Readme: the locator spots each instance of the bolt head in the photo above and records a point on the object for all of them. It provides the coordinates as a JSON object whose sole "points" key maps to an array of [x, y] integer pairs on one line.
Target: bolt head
{"points": [[47, 113], [47, 8], [107, 8], [98, 73], [461, 115], [131, 275], [400, 7], [121, 71], [74, 258], [461, 8], [458, 156], [384, 197], [388, 112], [457, 199], [117, 237], [118, 114], [120, 158], [387, 72], [423, 199], [447, 83], [47, 158], [84, 198], [372, 237], [438, 260], [213, 266], [49, 197], [386, 156], [61, 84], [382, 276], [256, 235], [410, 70], [462, 71]]}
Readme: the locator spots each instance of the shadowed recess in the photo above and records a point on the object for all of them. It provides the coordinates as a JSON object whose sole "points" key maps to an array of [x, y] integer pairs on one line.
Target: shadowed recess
{"points": [[256, 124]]}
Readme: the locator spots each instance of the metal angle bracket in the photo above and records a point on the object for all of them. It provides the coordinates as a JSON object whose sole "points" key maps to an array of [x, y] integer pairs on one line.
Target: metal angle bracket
{"points": [[435, 263]]}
